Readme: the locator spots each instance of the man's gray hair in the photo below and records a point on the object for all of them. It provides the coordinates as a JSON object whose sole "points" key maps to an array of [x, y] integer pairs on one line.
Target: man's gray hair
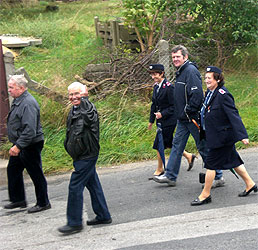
{"points": [[182, 48], [20, 80], [76, 85]]}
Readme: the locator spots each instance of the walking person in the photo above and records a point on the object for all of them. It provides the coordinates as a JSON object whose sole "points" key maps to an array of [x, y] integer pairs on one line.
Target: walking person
{"points": [[223, 127], [25, 132], [188, 101], [82, 144], [163, 111]]}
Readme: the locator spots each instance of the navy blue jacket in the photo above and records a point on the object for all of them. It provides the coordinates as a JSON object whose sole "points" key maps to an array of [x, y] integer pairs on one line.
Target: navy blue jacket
{"points": [[188, 92], [23, 122], [163, 102], [223, 125]]}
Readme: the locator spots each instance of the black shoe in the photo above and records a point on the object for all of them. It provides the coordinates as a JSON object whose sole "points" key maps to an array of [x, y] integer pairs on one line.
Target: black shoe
{"points": [[11, 205], [38, 208], [191, 163], [97, 222], [197, 201], [245, 193], [70, 229]]}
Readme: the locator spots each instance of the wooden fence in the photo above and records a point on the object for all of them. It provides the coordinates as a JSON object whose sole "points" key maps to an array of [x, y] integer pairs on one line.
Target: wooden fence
{"points": [[113, 32]]}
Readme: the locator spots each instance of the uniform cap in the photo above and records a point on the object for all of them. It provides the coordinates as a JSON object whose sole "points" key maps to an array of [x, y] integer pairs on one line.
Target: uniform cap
{"points": [[213, 69], [156, 68]]}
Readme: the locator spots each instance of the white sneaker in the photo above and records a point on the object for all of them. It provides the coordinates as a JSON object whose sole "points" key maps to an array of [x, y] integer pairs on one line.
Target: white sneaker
{"points": [[218, 183], [164, 179]]}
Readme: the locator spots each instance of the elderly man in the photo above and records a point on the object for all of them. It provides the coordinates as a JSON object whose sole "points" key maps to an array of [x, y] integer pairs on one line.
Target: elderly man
{"points": [[25, 132], [82, 144]]}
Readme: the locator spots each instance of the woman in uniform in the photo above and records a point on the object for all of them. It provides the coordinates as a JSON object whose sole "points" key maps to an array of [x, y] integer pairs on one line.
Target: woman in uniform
{"points": [[163, 110], [222, 127]]}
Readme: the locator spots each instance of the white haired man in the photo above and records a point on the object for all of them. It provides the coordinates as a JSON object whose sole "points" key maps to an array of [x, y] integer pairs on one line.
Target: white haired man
{"points": [[82, 144], [25, 132]]}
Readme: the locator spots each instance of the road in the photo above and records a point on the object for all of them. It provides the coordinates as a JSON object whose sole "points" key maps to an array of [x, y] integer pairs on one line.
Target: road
{"points": [[146, 215]]}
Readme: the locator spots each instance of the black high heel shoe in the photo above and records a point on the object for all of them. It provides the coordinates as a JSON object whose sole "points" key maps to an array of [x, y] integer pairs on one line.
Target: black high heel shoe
{"points": [[197, 201], [190, 166], [245, 193]]}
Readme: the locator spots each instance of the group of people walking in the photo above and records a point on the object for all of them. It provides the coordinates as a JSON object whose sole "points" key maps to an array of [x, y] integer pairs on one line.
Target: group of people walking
{"points": [[213, 121], [214, 124], [81, 143]]}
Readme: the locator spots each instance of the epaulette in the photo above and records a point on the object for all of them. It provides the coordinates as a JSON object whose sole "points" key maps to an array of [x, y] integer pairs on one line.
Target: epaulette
{"points": [[222, 91], [166, 84]]}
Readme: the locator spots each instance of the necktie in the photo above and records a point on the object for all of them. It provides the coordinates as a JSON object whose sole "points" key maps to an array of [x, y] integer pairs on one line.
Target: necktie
{"points": [[158, 87], [206, 101]]}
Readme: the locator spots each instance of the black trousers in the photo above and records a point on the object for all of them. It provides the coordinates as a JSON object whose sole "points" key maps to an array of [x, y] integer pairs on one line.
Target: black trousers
{"points": [[30, 159]]}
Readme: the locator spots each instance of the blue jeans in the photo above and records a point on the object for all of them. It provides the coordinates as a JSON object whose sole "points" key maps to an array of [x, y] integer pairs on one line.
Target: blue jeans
{"points": [[183, 131], [85, 175]]}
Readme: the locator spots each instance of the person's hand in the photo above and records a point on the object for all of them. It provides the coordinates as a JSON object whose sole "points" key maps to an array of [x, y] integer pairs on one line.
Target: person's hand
{"points": [[158, 115], [14, 151], [150, 126], [84, 91], [245, 141]]}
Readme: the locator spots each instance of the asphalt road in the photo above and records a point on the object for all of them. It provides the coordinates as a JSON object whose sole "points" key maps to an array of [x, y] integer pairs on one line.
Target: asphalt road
{"points": [[146, 215]]}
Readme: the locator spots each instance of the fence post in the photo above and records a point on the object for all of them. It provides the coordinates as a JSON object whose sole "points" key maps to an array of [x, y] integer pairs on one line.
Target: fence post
{"points": [[96, 21], [164, 57], [9, 68], [106, 34], [4, 100], [114, 34]]}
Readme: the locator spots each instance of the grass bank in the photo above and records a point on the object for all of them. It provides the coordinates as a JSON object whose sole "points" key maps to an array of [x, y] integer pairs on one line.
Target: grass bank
{"points": [[69, 44]]}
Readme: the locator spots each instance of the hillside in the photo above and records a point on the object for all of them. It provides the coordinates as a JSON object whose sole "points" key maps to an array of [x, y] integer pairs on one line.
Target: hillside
{"points": [[69, 44]]}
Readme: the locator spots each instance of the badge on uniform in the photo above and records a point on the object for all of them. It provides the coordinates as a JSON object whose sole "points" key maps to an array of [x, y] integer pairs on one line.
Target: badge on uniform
{"points": [[222, 91]]}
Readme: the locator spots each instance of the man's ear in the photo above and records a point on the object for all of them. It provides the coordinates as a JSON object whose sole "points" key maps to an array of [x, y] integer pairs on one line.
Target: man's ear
{"points": [[22, 88]]}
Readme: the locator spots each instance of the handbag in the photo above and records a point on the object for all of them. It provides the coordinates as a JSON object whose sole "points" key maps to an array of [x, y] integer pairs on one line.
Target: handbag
{"points": [[202, 175]]}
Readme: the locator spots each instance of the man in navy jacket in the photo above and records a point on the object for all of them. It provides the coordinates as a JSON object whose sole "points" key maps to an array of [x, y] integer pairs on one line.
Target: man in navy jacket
{"points": [[26, 135]]}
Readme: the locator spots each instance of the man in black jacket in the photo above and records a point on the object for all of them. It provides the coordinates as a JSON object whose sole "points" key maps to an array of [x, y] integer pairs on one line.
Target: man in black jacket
{"points": [[82, 144], [188, 102]]}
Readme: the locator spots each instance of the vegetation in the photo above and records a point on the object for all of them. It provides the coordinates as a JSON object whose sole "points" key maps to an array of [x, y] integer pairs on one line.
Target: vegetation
{"points": [[195, 23], [69, 44], [146, 17]]}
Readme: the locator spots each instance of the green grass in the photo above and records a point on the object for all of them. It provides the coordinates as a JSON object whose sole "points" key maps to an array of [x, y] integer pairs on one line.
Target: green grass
{"points": [[69, 40], [245, 91], [69, 44]]}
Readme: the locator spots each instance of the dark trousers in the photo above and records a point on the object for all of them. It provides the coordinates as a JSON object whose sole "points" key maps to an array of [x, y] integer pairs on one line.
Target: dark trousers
{"points": [[85, 175], [30, 159]]}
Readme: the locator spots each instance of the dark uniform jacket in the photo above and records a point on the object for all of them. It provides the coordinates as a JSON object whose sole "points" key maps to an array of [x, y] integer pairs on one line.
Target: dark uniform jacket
{"points": [[23, 121], [223, 125], [82, 135], [188, 92], [163, 102]]}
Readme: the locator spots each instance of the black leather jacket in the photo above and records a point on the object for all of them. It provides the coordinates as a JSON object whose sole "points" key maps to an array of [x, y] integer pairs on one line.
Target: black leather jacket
{"points": [[82, 135]]}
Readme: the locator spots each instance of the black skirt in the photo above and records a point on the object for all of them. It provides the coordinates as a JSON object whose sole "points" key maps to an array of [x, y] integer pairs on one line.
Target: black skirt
{"points": [[167, 134], [223, 158]]}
